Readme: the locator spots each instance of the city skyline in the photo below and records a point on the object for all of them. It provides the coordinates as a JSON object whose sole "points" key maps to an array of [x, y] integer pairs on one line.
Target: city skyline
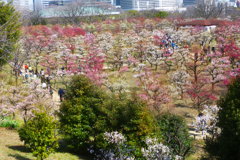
{"points": [[125, 4]]}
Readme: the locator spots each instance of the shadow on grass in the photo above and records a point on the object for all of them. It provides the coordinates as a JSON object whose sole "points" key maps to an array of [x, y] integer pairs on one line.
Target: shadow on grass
{"points": [[20, 148], [62, 149], [18, 157], [179, 105], [65, 148]]}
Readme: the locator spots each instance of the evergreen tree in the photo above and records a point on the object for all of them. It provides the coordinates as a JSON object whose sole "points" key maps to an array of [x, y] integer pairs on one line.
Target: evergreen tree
{"points": [[88, 111], [9, 31], [175, 134], [227, 145], [38, 134]]}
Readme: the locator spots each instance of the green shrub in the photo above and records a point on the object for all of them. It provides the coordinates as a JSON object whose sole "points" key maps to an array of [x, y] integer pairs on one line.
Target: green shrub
{"points": [[226, 145], [161, 14], [175, 134], [8, 123], [38, 134], [88, 112], [129, 116], [133, 13]]}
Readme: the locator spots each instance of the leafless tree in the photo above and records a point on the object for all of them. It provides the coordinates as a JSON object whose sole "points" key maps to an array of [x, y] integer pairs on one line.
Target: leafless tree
{"points": [[209, 9], [19, 57], [233, 12], [32, 17], [73, 12]]}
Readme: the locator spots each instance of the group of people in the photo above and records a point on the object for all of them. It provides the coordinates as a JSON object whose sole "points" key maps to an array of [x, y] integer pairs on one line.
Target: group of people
{"points": [[30, 75], [168, 42]]}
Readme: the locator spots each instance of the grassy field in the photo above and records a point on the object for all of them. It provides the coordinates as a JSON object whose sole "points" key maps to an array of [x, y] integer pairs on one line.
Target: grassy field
{"points": [[11, 148]]}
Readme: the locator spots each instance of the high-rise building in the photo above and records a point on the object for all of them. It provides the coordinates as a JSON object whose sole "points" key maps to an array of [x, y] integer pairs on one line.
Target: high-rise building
{"points": [[23, 4]]}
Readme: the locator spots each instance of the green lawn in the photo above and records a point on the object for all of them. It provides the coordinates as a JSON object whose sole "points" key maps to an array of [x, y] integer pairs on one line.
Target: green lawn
{"points": [[11, 148]]}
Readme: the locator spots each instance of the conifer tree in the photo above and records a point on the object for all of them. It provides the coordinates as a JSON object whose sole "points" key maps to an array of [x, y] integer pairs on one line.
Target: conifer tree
{"points": [[226, 145], [9, 31]]}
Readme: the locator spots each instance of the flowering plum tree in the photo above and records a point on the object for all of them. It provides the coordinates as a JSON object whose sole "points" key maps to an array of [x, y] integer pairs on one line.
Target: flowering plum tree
{"points": [[180, 81], [25, 99], [216, 70], [152, 91]]}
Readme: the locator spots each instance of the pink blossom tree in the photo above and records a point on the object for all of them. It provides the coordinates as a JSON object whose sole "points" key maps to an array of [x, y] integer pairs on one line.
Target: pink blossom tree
{"points": [[152, 91]]}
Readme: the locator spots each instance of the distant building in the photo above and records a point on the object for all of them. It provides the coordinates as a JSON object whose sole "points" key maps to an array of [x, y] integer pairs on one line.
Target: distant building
{"points": [[83, 8], [150, 4], [113, 2], [189, 2], [23, 4], [50, 3]]}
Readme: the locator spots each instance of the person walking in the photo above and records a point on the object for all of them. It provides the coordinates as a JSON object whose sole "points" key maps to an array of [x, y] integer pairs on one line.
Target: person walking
{"points": [[44, 85], [61, 94], [51, 91]]}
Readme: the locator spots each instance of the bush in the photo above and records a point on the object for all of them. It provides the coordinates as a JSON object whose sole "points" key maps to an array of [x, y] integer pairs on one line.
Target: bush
{"points": [[131, 117], [88, 112], [133, 13], [162, 14], [38, 134], [226, 145], [8, 123], [175, 134]]}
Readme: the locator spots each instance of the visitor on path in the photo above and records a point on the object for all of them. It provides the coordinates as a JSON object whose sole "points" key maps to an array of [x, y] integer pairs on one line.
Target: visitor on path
{"points": [[26, 76], [47, 79], [42, 75], [51, 91], [30, 69], [44, 85], [26, 67], [42, 72], [61, 94]]}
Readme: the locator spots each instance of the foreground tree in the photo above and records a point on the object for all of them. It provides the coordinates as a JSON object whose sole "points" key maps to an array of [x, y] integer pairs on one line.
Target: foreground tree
{"points": [[226, 145], [175, 134], [38, 134], [88, 112], [9, 31], [78, 113]]}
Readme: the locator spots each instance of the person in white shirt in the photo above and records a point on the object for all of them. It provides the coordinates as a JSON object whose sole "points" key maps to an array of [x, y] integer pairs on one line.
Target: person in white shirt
{"points": [[44, 85]]}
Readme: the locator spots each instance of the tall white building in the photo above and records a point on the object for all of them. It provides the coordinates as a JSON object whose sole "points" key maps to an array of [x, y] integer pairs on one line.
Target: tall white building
{"points": [[23, 4]]}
